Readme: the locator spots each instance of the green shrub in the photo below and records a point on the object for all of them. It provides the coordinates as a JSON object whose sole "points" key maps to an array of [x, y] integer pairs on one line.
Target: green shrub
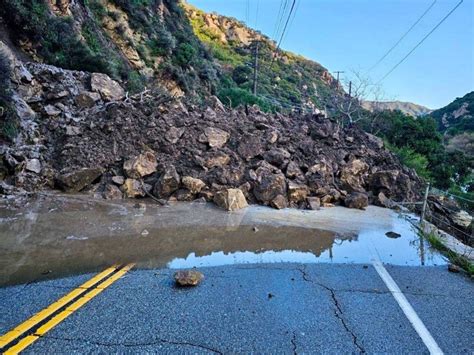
{"points": [[241, 74], [136, 82], [8, 118], [236, 96]]}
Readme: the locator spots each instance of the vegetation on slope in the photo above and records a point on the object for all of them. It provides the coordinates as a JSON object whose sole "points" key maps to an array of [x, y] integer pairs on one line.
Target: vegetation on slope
{"points": [[420, 146], [284, 79]]}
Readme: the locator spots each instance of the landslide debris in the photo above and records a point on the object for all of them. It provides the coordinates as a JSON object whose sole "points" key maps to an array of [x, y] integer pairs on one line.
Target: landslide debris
{"points": [[82, 134]]}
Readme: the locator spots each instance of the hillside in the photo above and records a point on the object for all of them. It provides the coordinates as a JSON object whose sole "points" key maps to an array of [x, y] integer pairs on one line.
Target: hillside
{"points": [[407, 108], [144, 43], [284, 79], [456, 122]]}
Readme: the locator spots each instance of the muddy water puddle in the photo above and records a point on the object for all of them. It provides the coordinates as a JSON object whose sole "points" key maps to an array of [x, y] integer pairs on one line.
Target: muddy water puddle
{"points": [[54, 236]]}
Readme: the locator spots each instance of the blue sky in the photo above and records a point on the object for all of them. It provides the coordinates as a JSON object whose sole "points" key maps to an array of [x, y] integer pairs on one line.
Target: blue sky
{"points": [[351, 35]]}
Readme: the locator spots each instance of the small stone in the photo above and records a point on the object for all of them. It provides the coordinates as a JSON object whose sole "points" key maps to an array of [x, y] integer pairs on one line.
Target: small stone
{"points": [[173, 134], [454, 268], [192, 184], [119, 180], [112, 192], [393, 235], [145, 233], [50, 110], [73, 131], [188, 278], [33, 165], [255, 229]]}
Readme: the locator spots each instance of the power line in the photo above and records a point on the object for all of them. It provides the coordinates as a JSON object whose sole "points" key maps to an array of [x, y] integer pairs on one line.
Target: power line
{"points": [[278, 18], [284, 30], [294, 14], [419, 43], [404, 35], [256, 14]]}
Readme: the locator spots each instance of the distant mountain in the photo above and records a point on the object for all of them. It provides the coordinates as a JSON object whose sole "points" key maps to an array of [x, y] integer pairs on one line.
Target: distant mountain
{"points": [[406, 107]]}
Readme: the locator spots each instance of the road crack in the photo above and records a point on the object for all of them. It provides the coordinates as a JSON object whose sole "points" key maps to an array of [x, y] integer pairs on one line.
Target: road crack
{"points": [[338, 313], [132, 345], [293, 343]]}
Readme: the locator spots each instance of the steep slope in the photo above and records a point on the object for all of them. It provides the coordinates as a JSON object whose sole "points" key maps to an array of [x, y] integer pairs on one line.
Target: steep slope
{"points": [[137, 42], [284, 79], [407, 108], [457, 117], [456, 121]]}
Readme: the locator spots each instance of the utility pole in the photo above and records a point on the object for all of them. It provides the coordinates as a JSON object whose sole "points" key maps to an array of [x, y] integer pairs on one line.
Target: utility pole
{"points": [[350, 89], [255, 70], [337, 73], [425, 202]]}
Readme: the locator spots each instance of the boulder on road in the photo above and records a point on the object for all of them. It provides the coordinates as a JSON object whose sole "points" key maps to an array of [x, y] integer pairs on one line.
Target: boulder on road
{"points": [[188, 278], [168, 183], [192, 184], [77, 180], [269, 185], [357, 200], [132, 188], [230, 199]]}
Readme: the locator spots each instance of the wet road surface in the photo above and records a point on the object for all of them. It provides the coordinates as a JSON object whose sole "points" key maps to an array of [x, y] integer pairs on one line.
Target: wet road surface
{"points": [[275, 281]]}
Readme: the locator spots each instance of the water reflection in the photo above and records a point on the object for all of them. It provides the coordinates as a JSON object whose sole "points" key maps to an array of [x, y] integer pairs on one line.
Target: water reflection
{"points": [[57, 236]]}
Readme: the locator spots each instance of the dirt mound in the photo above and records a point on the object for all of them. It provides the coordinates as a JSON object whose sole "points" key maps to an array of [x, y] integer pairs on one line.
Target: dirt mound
{"points": [[74, 137]]}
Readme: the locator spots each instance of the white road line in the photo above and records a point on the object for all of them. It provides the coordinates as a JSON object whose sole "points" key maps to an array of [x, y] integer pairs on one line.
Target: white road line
{"points": [[407, 309]]}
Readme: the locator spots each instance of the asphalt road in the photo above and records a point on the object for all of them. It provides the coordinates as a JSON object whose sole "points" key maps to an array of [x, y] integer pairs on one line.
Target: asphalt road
{"points": [[261, 308]]}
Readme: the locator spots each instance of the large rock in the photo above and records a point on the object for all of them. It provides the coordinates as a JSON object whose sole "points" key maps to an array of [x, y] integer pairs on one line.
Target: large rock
{"points": [[33, 165], [112, 192], [192, 184], [78, 180], [462, 219], [109, 89], [297, 192], [353, 175], [269, 185], [168, 183], [314, 203], [87, 99], [277, 156], [279, 202], [140, 166], [133, 188], [215, 137], [230, 199], [357, 200]]}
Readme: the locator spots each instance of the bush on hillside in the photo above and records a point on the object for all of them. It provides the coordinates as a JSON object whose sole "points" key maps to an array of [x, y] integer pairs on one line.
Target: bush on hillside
{"points": [[8, 118]]}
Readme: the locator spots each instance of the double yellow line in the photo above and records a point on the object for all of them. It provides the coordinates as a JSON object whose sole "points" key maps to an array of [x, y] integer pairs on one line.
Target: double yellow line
{"points": [[32, 329]]}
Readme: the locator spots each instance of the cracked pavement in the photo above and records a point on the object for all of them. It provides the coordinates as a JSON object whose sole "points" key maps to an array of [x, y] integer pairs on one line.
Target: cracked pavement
{"points": [[314, 308]]}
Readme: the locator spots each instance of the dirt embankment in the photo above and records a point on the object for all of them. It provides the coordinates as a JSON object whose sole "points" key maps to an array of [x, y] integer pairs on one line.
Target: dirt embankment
{"points": [[81, 132]]}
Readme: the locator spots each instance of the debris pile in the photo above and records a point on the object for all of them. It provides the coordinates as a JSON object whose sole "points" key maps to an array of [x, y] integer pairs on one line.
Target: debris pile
{"points": [[82, 132]]}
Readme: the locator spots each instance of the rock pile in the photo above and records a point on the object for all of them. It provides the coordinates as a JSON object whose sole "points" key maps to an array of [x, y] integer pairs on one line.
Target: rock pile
{"points": [[81, 132]]}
